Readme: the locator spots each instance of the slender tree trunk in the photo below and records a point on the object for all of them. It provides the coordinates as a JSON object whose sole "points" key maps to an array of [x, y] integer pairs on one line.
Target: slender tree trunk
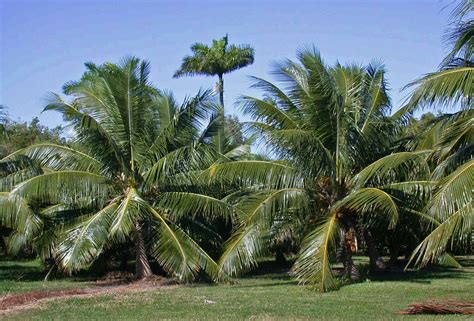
{"points": [[349, 246], [221, 89], [280, 257], [394, 251], [376, 262], [142, 266], [221, 134]]}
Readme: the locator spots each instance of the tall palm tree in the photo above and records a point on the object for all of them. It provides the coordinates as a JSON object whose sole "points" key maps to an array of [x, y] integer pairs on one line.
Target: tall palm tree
{"points": [[127, 176], [331, 126], [217, 60], [450, 209]]}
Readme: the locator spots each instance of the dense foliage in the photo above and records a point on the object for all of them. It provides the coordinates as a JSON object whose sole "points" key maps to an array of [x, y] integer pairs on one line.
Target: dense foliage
{"points": [[343, 174]]}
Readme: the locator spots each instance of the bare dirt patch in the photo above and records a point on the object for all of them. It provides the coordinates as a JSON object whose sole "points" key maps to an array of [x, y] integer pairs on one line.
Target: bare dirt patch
{"points": [[108, 285]]}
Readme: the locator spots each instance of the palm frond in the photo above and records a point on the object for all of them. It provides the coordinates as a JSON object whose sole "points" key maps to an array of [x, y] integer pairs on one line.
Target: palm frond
{"points": [[57, 157], [180, 204], [256, 211], [55, 187], [84, 242], [312, 266], [177, 253], [412, 162]]}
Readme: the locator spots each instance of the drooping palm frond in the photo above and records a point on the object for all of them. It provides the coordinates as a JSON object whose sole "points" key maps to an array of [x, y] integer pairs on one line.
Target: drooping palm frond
{"points": [[313, 264], [412, 162], [58, 186], [180, 204], [85, 241], [453, 192], [370, 200], [458, 224], [249, 172], [128, 213], [444, 88], [242, 249], [256, 213], [57, 157], [16, 214], [452, 207], [177, 253]]}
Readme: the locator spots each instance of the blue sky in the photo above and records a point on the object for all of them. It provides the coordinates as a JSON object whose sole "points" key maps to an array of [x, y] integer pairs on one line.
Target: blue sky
{"points": [[45, 43]]}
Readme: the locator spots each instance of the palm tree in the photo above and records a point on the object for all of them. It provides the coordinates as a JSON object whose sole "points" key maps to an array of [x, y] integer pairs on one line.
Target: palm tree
{"points": [[217, 60], [453, 83], [451, 136], [127, 176], [331, 126]]}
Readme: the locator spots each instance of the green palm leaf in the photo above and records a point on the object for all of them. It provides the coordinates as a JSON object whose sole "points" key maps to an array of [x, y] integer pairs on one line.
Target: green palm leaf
{"points": [[313, 266], [84, 242], [177, 253]]}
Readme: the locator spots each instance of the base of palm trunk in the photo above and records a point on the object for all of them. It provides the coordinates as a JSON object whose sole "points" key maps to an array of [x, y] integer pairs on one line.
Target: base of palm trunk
{"points": [[142, 266]]}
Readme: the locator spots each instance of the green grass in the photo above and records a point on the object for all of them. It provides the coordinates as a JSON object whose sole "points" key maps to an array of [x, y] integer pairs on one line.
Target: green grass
{"points": [[262, 295]]}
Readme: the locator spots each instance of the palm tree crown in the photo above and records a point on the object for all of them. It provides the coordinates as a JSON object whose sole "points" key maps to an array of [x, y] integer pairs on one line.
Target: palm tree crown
{"points": [[217, 60]]}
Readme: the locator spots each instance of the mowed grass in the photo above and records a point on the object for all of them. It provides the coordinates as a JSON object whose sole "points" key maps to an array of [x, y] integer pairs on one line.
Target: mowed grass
{"points": [[262, 295]]}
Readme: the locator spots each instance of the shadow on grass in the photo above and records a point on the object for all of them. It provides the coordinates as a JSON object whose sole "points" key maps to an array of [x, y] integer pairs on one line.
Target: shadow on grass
{"points": [[281, 272], [424, 275], [28, 270]]}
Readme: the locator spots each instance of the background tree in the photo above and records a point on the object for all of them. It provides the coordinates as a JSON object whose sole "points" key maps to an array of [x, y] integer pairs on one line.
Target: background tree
{"points": [[18, 135], [219, 59]]}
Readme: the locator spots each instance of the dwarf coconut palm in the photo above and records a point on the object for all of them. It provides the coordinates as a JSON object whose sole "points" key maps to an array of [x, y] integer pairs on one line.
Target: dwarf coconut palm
{"points": [[451, 136], [128, 175], [330, 124]]}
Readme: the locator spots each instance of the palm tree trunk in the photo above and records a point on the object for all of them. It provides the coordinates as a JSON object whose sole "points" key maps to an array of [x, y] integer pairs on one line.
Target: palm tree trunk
{"points": [[394, 251], [376, 262], [142, 266], [221, 89], [349, 246], [221, 133]]}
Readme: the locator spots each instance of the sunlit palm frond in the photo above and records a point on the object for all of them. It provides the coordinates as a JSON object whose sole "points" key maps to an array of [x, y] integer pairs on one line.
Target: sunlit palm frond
{"points": [[57, 157], [444, 88], [177, 253], [371, 200], [256, 213], [313, 266], [453, 192], [55, 187], [412, 162], [457, 225], [249, 172], [180, 204], [84, 242]]}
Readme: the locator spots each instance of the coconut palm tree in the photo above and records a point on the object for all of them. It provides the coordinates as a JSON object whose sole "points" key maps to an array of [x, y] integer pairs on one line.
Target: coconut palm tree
{"points": [[128, 175], [451, 137], [217, 60], [453, 84], [331, 126]]}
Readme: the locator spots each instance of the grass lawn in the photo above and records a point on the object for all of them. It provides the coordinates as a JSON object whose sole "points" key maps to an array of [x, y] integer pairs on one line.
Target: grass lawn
{"points": [[262, 295]]}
